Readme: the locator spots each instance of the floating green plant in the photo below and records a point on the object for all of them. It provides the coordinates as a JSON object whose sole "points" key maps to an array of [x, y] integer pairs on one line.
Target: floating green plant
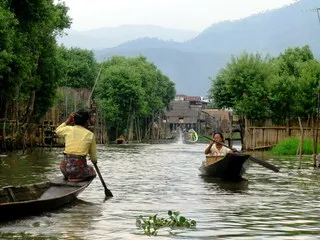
{"points": [[151, 224]]}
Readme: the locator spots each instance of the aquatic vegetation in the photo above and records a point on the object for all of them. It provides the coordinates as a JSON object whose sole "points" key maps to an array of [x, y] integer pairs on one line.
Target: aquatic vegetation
{"points": [[151, 224], [290, 147]]}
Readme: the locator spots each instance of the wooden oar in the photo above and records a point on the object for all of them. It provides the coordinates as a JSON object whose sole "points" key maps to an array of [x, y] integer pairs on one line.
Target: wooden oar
{"points": [[256, 160], [107, 192]]}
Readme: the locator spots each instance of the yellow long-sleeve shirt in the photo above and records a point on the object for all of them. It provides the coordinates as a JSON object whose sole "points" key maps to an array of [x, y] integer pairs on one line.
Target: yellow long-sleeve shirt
{"points": [[78, 141]]}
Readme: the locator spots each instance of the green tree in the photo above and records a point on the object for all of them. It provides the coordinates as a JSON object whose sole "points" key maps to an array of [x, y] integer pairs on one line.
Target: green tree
{"points": [[7, 36], [120, 95], [293, 87], [241, 86], [31, 77], [282, 88], [309, 88], [79, 67], [159, 89], [132, 90], [290, 60]]}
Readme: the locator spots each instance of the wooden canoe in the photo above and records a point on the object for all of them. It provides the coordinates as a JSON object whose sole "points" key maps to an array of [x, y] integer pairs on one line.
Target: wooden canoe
{"points": [[190, 137], [32, 199], [231, 167], [120, 140]]}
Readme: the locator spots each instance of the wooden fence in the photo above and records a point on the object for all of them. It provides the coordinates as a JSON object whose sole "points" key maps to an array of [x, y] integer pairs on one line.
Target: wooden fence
{"points": [[71, 99], [268, 134], [14, 135]]}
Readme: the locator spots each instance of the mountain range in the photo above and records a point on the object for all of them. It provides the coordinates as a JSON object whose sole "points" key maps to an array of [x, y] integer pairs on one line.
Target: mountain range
{"points": [[113, 36], [191, 62]]}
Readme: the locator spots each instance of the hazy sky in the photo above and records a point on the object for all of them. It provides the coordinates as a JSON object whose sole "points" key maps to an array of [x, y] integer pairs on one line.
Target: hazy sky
{"points": [[179, 14]]}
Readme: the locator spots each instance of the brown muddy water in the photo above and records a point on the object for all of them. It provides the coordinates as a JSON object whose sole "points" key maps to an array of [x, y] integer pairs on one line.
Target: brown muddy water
{"points": [[152, 179]]}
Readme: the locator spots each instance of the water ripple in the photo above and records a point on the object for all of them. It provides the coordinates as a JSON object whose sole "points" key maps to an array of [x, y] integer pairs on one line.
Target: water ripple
{"points": [[152, 179]]}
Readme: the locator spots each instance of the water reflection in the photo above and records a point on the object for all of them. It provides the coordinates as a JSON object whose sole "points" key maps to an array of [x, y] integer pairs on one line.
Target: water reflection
{"points": [[17, 168], [216, 184], [152, 179]]}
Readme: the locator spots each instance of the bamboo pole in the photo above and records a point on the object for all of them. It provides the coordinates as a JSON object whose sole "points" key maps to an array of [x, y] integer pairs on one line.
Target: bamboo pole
{"points": [[230, 129], [300, 143]]}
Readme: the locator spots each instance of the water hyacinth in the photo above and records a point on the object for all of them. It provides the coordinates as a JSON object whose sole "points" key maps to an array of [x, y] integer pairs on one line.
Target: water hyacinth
{"points": [[151, 224]]}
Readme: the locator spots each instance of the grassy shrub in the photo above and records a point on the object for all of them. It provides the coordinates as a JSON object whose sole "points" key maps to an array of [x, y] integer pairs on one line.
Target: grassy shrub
{"points": [[290, 147]]}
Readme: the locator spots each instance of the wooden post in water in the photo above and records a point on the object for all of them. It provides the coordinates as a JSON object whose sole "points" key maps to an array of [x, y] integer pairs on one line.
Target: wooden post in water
{"points": [[300, 142], [230, 129]]}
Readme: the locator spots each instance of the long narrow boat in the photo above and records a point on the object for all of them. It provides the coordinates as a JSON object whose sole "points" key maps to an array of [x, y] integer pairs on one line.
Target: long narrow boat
{"points": [[231, 167], [32, 199], [190, 137], [120, 140]]}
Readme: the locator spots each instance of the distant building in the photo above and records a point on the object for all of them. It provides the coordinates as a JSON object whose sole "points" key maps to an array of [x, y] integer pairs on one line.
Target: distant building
{"points": [[185, 113], [218, 120], [190, 112], [180, 97]]}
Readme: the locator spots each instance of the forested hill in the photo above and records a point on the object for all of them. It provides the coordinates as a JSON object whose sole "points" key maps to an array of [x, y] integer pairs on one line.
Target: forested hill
{"points": [[113, 36], [269, 32], [189, 64]]}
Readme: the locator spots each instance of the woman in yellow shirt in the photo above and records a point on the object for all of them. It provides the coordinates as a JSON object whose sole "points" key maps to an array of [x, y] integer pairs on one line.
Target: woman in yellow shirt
{"points": [[79, 142]]}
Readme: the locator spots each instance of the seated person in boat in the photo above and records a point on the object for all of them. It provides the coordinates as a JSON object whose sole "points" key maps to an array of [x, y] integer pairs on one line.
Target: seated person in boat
{"points": [[216, 151], [79, 142]]}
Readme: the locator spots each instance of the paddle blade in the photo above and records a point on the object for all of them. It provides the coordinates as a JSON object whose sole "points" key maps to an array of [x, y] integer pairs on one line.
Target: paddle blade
{"points": [[265, 164], [108, 193]]}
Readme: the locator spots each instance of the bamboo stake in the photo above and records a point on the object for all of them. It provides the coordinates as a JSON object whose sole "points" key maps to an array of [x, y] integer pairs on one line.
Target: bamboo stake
{"points": [[300, 143]]}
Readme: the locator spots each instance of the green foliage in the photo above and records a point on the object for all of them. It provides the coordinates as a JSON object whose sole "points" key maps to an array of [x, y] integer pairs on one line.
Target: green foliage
{"points": [[79, 68], [131, 88], [290, 60], [282, 97], [281, 88], [308, 88], [7, 47], [290, 146], [242, 86], [48, 73], [28, 63], [293, 89], [151, 224]]}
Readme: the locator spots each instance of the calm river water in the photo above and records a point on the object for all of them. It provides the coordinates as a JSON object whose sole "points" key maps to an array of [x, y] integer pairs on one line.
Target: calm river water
{"points": [[152, 179]]}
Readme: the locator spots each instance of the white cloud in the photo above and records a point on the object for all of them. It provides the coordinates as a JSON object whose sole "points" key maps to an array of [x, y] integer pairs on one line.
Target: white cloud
{"points": [[180, 14]]}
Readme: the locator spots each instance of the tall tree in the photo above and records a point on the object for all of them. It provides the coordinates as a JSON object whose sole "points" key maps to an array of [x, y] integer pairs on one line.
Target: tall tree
{"points": [[7, 56], [241, 86], [281, 88], [296, 74], [79, 67], [132, 90], [34, 70]]}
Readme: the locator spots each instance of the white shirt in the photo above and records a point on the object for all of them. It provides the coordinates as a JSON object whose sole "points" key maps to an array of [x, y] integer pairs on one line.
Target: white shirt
{"points": [[216, 152]]}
